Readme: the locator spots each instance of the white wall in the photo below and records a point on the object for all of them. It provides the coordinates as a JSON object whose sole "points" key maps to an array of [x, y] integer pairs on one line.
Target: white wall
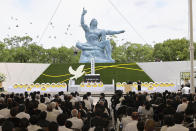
{"points": [[166, 71], [21, 72]]}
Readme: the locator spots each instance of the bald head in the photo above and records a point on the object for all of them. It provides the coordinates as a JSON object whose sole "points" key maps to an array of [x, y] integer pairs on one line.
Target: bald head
{"points": [[74, 112]]}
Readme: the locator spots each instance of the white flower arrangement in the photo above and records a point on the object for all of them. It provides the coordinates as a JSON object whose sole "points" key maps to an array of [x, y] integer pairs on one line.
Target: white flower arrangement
{"points": [[2, 77]]}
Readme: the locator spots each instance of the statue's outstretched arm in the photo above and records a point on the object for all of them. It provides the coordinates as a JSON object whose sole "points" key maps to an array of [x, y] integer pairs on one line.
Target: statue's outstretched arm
{"points": [[109, 32], [84, 26]]}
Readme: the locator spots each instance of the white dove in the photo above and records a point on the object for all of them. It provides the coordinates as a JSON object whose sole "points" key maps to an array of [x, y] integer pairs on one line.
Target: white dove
{"points": [[78, 73]]}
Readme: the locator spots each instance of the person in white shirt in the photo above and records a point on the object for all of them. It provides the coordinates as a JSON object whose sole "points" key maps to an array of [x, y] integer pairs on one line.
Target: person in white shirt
{"points": [[51, 116], [132, 125], [87, 103], [128, 119], [42, 106], [72, 100], [77, 96], [167, 122], [47, 100], [33, 121], [178, 118], [55, 108], [22, 113], [182, 107], [89, 97], [185, 89], [76, 122], [61, 120], [146, 110], [5, 112]]}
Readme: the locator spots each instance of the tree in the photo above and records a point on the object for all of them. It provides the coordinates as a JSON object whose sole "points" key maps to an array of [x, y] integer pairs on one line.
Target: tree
{"points": [[139, 52], [172, 50]]}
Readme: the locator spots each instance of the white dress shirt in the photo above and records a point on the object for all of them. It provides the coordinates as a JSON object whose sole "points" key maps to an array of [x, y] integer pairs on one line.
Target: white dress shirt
{"points": [[42, 107], [78, 98], [177, 127], [87, 104], [23, 115], [76, 123], [143, 111], [132, 126], [126, 120], [73, 101], [63, 128], [33, 127], [163, 128], [47, 100], [5, 112], [182, 107], [57, 112], [185, 90], [90, 99], [51, 116]]}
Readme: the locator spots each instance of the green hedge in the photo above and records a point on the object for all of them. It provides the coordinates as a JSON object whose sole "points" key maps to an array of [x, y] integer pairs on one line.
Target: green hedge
{"points": [[120, 72]]}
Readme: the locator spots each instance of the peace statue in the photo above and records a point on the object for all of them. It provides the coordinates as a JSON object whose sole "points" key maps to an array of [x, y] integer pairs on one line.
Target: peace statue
{"points": [[96, 46]]}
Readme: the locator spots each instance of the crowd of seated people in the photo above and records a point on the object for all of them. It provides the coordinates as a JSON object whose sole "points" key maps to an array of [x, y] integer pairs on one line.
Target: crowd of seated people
{"points": [[167, 111], [58, 112], [65, 112]]}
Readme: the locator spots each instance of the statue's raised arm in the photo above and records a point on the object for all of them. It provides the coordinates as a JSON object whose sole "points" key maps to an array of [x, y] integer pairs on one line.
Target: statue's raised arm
{"points": [[84, 26]]}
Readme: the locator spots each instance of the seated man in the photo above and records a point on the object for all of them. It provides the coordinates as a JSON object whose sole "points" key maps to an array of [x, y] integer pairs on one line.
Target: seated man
{"points": [[76, 122], [128, 119], [182, 107], [178, 118], [133, 124]]}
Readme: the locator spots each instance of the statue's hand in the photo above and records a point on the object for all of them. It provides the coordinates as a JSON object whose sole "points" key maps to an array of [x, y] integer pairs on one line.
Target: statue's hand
{"points": [[84, 11], [122, 31]]}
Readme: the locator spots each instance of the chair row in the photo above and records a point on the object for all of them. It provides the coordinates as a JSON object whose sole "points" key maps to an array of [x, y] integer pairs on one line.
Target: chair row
{"points": [[38, 85]]}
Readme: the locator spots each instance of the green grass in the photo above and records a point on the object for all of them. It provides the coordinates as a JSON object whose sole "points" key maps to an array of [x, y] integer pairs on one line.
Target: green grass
{"points": [[132, 73]]}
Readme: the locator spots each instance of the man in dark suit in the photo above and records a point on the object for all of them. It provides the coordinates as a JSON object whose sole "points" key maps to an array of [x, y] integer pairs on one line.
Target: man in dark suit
{"points": [[139, 85]]}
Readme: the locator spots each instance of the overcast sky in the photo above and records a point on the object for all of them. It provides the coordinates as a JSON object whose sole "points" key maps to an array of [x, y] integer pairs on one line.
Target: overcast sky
{"points": [[153, 20]]}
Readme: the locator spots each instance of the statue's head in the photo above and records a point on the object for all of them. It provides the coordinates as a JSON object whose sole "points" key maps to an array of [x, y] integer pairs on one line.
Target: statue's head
{"points": [[93, 23]]}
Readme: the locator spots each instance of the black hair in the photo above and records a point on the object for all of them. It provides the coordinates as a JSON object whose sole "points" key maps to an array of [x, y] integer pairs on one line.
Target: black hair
{"points": [[43, 115], [85, 97], [53, 126], [21, 108], [7, 126], [33, 119], [13, 112], [88, 93], [68, 124], [140, 125], [178, 118], [42, 100], [168, 120], [129, 111], [61, 119], [147, 106], [24, 123]]}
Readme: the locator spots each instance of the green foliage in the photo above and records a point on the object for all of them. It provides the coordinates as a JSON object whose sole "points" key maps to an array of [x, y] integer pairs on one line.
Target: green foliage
{"points": [[172, 50], [107, 74], [23, 50]]}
